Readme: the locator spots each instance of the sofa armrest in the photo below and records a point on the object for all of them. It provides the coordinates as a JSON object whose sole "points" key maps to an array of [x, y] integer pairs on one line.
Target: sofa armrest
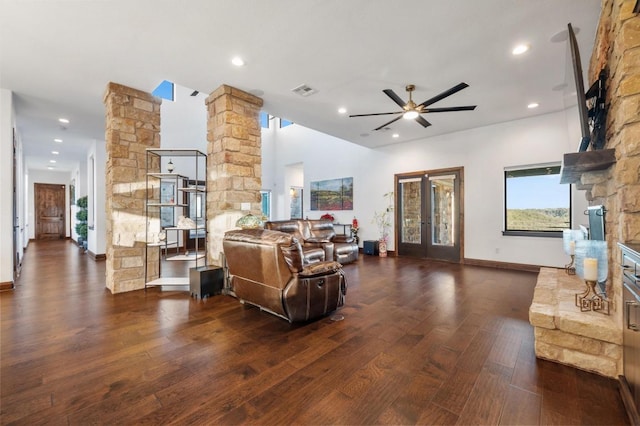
{"points": [[326, 245], [316, 240], [343, 239]]}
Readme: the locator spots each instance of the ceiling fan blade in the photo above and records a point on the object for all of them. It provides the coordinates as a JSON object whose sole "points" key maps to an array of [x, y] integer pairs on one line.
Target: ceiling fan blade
{"points": [[448, 109], [377, 113], [420, 119], [386, 124], [454, 89], [390, 93]]}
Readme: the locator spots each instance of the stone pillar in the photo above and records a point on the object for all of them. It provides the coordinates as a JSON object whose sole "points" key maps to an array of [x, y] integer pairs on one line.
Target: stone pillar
{"points": [[132, 125], [617, 48], [234, 161]]}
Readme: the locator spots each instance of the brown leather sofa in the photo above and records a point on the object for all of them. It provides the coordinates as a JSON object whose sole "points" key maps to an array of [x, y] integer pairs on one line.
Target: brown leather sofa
{"points": [[318, 234], [266, 269]]}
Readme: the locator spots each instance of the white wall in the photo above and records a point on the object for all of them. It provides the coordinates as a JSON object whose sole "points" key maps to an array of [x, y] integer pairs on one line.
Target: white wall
{"points": [[49, 177], [6, 190], [183, 125], [483, 152]]}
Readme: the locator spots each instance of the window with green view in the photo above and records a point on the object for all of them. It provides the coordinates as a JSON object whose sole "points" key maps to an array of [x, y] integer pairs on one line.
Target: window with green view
{"points": [[536, 204]]}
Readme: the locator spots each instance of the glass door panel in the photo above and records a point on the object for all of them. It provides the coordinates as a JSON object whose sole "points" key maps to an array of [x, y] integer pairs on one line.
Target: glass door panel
{"points": [[410, 210], [442, 210], [443, 234]]}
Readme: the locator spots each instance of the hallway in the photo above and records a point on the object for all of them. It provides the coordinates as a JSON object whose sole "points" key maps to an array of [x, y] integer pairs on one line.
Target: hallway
{"points": [[421, 343]]}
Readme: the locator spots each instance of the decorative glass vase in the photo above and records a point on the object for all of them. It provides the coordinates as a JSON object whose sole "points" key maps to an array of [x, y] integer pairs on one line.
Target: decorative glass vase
{"points": [[382, 248]]}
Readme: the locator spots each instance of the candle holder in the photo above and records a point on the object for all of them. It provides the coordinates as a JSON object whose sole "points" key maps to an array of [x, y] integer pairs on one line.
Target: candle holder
{"points": [[591, 266], [570, 268], [569, 238], [591, 300]]}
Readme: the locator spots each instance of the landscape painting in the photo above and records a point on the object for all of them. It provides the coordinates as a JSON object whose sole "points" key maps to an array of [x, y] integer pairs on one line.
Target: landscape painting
{"points": [[334, 194]]}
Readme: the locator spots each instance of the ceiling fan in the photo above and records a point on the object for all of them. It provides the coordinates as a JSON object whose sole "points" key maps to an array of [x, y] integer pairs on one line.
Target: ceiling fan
{"points": [[411, 111]]}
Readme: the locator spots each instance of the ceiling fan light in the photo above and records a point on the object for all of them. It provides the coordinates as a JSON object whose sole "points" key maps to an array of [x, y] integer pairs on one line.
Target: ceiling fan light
{"points": [[410, 115]]}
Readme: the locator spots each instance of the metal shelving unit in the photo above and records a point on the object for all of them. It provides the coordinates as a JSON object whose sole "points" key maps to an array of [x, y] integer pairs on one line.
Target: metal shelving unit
{"points": [[175, 208]]}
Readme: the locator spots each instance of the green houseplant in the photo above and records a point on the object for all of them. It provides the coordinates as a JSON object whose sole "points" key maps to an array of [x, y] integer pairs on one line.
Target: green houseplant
{"points": [[81, 217]]}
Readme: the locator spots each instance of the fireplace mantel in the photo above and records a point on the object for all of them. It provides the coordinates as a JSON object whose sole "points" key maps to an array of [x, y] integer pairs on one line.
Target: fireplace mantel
{"points": [[575, 164]]}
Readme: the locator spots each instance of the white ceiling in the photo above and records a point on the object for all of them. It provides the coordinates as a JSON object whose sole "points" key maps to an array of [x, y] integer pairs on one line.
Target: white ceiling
{"points": [[57, 56]]}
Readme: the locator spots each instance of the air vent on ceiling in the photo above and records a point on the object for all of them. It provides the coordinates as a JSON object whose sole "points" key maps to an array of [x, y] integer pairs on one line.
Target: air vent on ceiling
{"points": [[304, 90]]}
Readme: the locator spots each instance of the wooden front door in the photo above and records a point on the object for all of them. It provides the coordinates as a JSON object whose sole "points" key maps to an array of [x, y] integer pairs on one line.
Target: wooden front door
{"points": [[50, 211]]}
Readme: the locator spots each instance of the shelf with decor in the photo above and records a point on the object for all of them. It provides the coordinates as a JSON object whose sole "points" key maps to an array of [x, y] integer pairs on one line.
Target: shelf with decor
{"points": [[175, 209]]}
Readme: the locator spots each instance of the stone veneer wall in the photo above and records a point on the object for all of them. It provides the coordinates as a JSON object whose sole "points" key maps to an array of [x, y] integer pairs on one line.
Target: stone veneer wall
{"points": [[234, 161], [132, 125], [617, 48], [589, 340]]}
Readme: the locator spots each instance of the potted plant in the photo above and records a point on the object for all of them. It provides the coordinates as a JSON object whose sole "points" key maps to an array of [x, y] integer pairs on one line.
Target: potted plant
{"points": [[328, 216], [383, 222], [81, 225]]}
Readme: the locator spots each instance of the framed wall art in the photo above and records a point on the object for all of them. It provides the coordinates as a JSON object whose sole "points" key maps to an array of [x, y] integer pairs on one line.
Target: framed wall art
{"points": [[333, 194]]}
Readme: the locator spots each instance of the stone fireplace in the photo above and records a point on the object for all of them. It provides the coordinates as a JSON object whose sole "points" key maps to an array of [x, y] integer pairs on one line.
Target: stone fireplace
{"points": [[589, 340]]}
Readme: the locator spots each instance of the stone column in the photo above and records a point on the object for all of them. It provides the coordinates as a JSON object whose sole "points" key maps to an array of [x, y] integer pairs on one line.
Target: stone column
{"points": [[132, 125], [617, 49], [234, 161]]}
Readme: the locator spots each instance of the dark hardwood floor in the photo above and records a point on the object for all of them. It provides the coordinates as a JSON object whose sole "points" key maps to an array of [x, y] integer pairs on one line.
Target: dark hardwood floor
{"points": [[420, 343]]}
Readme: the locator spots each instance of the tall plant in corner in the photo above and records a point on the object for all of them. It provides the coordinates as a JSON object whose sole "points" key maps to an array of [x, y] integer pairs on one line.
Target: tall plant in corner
{"points": [[81, 225], [383, 222]]}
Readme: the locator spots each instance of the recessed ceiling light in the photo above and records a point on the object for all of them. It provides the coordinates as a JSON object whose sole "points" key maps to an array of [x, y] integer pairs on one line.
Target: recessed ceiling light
{"points": [[63, 120], [342, 110], [237, 61], [58, 140], [52, 161], [395, 135], [520, 49], [533, 105], [55, 152], [50, 168]]}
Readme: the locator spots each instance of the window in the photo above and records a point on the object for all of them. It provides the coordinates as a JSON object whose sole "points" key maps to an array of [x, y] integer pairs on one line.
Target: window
{"points": [[536, 204], [165, 90], [265, 201], [264, 120], [285, 123]]}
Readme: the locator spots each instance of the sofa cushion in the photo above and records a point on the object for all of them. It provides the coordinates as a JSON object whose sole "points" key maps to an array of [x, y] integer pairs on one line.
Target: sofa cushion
{"points": [[313, 255], [320, 230]]}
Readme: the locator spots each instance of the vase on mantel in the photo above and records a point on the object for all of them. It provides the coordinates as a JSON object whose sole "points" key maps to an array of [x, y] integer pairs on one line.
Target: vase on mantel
{"points": [[382, 248]]}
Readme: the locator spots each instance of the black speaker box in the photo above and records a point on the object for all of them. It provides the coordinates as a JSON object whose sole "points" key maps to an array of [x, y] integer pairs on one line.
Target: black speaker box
{"points": [[370, 247], [205, 281]]}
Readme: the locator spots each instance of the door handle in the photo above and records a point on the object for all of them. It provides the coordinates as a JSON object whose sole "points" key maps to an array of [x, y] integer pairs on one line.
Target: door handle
{"points": [[631, 304]]}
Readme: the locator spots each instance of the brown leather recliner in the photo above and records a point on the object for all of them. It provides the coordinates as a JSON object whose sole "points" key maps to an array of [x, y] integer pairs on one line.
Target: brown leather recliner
{"points": [[266, 269], [316, 234]]}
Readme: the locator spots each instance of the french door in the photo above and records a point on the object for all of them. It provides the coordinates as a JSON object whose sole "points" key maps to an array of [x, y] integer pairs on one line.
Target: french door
{"points": [[429, 214]]}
